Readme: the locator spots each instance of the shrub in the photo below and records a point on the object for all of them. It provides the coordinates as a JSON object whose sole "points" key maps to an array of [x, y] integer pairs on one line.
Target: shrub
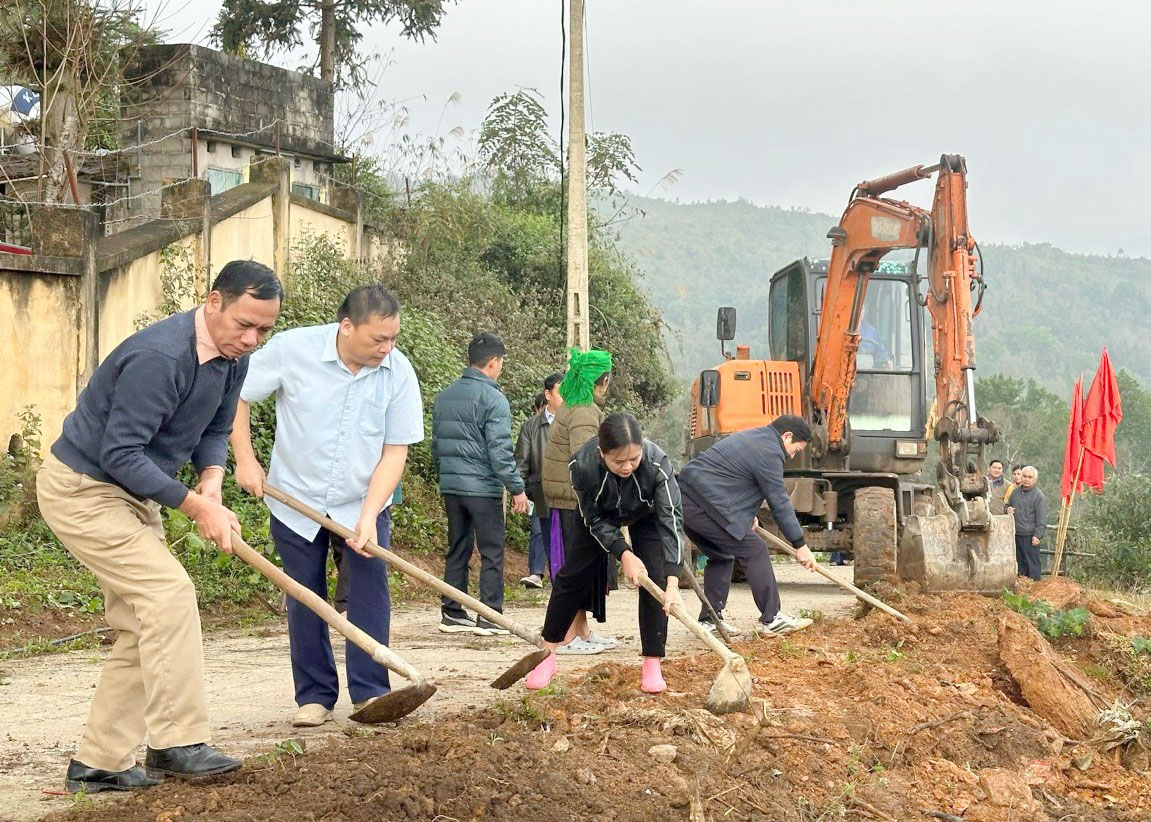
{"points": [[1116, 526]]}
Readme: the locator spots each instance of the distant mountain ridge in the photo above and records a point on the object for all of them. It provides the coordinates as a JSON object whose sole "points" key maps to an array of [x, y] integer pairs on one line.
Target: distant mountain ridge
{"points": [[1046, 314]]}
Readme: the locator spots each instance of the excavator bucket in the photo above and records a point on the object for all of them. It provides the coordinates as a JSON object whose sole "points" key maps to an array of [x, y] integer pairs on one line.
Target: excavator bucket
{"points": [[939, 556]]}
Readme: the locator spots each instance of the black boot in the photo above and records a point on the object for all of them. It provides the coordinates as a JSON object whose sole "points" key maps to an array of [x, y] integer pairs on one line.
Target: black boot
{"points": [[93, 780], [188, 760]]}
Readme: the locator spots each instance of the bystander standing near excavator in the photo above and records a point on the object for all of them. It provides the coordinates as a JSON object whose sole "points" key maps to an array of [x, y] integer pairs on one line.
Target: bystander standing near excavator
{"points": [[1029, 505]]}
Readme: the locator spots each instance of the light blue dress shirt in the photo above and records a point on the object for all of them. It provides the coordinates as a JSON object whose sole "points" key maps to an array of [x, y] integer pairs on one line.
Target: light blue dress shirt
{"points": [[331, 424]]}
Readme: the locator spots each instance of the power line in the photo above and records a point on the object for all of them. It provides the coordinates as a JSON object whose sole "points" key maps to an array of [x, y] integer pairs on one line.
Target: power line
{"points": [[563, 189]]}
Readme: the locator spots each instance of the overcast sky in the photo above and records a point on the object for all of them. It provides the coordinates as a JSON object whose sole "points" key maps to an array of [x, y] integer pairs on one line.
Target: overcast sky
{"points": [[792, 103]]}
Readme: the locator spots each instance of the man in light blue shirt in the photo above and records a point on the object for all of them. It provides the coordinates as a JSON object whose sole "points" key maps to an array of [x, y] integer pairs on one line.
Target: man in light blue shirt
{"points": [[348, 406]]}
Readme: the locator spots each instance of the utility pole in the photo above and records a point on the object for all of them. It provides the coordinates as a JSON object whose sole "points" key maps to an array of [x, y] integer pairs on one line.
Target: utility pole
{"points": [[578, 332]]}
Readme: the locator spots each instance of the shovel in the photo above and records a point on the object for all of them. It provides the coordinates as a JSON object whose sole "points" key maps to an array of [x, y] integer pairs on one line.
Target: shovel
{"points": [[505, 680], [731, 690], [387, 708], [775, 542], [698, 589]]}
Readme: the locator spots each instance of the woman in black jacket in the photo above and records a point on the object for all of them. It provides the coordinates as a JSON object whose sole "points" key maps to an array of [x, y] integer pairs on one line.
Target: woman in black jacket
{"points": [[620, 479]]}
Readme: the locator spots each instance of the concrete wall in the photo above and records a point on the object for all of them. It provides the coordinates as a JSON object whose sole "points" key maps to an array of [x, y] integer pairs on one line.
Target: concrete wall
{"points": [[247, 235], [68, 307], [39, 318], [309, 219]]}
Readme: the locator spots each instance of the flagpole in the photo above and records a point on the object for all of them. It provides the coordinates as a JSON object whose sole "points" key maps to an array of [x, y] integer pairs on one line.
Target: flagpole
{"points": [[1065, 518]]}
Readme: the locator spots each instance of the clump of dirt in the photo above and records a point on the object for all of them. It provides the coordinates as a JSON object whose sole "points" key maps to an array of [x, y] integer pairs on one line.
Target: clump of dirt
{"points": [[867, 719]]}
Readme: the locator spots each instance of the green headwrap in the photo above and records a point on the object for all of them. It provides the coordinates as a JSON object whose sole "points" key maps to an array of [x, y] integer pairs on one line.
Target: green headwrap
{"points": [[584, 368]]}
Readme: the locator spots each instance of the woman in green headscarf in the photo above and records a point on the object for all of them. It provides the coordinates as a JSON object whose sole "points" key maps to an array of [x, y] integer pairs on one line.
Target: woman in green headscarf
{"points": [[584, 391]]}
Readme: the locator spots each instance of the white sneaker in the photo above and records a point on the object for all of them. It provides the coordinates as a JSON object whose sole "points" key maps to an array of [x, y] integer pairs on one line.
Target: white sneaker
{"points": [[607, 642], [532, 581], [580, 646], [311, 715], [782, 624], [731, 629]]}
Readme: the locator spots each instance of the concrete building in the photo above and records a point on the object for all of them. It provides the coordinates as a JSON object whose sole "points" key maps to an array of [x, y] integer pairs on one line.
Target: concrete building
{"points": [[199, 113]]}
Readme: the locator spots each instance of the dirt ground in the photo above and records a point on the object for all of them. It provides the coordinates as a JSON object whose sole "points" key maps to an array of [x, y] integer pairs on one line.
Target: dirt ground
{"points": [[44, 700]]}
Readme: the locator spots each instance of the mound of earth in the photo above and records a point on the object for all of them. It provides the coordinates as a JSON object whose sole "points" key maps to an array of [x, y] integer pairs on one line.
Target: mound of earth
{"points": [[866, 719]]}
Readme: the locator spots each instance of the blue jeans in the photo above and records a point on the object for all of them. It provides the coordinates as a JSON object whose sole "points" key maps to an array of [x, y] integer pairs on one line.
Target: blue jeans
{"points": [[369, 608], [538, 547]]}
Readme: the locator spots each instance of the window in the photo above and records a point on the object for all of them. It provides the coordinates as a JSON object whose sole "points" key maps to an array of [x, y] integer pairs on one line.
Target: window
{"points": [[885, 327], [308, 192], [787, 321], [881, 399], [237, 151], [297, 162], [223, 179], [211, 147]]}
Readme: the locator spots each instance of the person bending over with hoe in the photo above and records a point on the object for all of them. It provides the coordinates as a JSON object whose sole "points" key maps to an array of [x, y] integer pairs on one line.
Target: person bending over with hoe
{"points": [[723, 489], [620, 479], [347, 407], [164, 396]]}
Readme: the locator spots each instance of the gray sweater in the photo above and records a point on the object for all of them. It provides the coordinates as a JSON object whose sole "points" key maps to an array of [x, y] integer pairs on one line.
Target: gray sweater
{"points": [[149, 408], [1030, 511]]}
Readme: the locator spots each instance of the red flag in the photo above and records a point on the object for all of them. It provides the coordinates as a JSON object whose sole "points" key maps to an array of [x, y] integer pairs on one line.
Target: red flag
{"points": [[1102, 412], [1077, 461], [1074, 450]]}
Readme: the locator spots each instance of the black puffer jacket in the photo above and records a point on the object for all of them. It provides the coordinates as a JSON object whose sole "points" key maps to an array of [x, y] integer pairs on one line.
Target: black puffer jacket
{"points": [[607, 502]]}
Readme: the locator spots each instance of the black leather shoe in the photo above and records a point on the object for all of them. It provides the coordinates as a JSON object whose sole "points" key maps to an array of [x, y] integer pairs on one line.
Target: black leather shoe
{"points": [[93, 780], [188, 761]]}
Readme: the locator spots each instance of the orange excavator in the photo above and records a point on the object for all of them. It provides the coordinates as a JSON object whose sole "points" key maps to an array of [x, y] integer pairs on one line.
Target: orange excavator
{"points": [[849, 350]]}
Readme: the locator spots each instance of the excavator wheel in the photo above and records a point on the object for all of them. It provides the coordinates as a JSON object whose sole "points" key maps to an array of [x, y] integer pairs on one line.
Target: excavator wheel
{"points": [[873, 538]]}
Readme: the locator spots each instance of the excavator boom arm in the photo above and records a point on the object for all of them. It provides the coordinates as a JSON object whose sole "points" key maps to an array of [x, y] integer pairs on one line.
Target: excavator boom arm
{"points": [[869, 229]]}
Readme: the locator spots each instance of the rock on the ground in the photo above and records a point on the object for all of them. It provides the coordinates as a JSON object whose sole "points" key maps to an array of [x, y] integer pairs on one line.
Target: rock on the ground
{"points": [[1006, 789], [563, 745], [663, 753], [1032, 664]]}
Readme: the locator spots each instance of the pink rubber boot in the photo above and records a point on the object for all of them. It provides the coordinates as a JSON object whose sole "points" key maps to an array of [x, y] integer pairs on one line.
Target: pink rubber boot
{"points": [[651, 681], [542, 674]]}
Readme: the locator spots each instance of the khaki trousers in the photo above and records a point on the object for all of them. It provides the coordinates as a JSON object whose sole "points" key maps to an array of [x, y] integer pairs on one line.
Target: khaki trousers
{"points": [[153, 680]]}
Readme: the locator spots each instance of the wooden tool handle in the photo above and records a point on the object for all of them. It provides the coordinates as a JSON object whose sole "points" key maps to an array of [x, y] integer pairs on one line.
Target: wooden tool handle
{"points": [[774, 541], [377, 650], [417, 573], [693, 625]]}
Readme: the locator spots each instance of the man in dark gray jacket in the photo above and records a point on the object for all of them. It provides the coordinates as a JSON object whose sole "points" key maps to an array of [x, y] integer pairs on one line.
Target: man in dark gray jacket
{"points": [[723, 489], [1029, 506], [472, 450], [530, 447]]}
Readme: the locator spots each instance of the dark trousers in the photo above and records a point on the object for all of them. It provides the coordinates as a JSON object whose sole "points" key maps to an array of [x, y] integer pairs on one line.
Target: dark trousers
{"points": [[1027, 558], [538, 546], [723, 551], [479, 522], [584, 577], [369, 608]]}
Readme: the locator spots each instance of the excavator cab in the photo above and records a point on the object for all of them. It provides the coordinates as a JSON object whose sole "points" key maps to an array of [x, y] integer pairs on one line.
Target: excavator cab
{"points": [[887, 412]]}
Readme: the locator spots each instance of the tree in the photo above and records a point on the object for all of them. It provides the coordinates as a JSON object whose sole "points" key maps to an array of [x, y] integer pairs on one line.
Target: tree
{"points": [[1032, 425], [73, 52], [270, 26], [517, 149], [514, 142]]}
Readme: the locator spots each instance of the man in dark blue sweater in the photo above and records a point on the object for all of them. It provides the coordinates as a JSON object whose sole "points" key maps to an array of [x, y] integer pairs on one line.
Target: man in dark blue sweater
{"points": [[164, 396], [723, 489]]}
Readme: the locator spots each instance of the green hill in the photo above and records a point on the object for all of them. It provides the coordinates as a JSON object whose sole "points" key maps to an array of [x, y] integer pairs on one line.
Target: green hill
{"points": [[1047, 313]]}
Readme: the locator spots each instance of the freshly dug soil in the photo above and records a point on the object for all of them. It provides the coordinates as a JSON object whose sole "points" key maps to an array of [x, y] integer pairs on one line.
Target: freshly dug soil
{"points": [[1047, 690], [858, 719]]}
